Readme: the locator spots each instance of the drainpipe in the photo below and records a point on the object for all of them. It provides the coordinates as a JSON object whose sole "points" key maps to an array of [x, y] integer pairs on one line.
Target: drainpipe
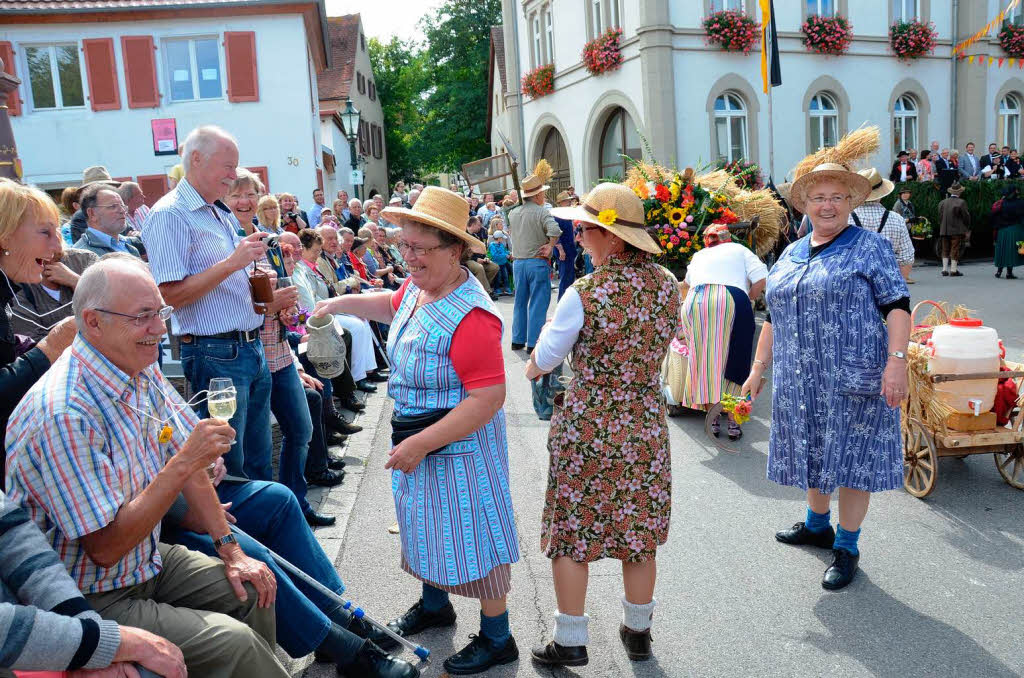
{"points": [[519, 89], [954, 143]]}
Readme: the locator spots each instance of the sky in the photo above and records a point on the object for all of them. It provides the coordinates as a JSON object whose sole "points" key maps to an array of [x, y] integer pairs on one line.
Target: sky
{"points": [[383, 19]]}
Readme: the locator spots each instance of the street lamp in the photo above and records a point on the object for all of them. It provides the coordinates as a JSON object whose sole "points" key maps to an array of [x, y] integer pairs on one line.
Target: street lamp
{"points": [[350, 126]]}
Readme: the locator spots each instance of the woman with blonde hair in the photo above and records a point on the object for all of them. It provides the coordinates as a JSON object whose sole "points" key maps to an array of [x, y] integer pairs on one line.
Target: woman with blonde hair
{"points": [[268, 214], [29, 240]]}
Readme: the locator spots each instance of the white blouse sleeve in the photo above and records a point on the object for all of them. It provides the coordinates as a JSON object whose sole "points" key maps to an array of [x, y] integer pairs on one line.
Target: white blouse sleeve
{"points": [[756, 269], [559, 336]]}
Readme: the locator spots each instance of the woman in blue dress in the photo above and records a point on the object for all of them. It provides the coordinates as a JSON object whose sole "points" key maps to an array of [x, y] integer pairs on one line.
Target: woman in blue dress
{"points": [[838, 327]]}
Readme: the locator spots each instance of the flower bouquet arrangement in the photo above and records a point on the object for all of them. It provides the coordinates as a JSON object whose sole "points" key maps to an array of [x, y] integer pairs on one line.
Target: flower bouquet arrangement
{"points": [[746, 173], [731, 30], [539, 82], [912, 39], [738, 408], [1011, 39], [829, 35], [1020, 247], [604, 53], [920, 228]]}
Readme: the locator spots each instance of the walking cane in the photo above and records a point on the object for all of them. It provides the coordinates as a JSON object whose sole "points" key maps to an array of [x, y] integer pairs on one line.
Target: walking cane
{"points": [[357, 612]]}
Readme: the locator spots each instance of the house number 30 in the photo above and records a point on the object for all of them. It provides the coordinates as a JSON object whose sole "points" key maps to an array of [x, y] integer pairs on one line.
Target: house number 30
{"points": [[294, 162]]}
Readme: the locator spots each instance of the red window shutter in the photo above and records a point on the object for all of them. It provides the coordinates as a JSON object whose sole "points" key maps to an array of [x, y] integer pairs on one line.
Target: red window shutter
{"points": [[320, 179], [261, 172], [139, 56], [101, 69], [154, 186], [243, 79], [13, 100]]}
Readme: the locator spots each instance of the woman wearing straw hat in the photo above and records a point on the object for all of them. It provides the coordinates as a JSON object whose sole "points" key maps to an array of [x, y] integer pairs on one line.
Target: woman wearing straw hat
{"points": [[450, 456], [838, 329], [609, 484]]}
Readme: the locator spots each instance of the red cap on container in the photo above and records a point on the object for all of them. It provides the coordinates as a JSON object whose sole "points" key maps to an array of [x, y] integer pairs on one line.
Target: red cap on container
{"points": [[966, 322]]}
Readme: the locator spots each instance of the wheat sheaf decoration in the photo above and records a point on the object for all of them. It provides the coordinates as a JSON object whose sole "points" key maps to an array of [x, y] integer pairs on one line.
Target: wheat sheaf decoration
{"points": [[543, 171], [852, 149]]}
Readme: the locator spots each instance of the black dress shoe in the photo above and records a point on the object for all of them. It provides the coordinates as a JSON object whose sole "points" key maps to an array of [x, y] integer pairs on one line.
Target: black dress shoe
{"points": [[326, 478], [319, 519], [529, 349], [336, 422], [841, 571], [365, 629], [480, 655], [351, 404], [946, 273], [1010, 276], [373, 662], [957, 274], [799, 535], [365, 386], [334, 438], [637, 643], [517, 347], [376, 378], [999, 273], [419, 618], [335, 463], [554, 654]]}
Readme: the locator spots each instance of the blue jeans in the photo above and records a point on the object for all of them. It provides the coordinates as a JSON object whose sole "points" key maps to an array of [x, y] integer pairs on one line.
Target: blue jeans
{"points": [[566, 271], [269, 514], [288, 403], [203, 359], [533, 296]]}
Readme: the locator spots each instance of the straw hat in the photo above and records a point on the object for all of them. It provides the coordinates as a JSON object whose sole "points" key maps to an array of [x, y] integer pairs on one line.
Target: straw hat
{"points": [[880, 186], [620, 208], [955, 189], [442, 209], [562, 197], [96, 174], [858, 186]]}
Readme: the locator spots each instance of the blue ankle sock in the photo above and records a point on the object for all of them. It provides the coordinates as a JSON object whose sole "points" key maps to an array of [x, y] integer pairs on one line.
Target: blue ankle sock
{"points": [[434, 598], [846, 540], [817, 522], [495, 629]]}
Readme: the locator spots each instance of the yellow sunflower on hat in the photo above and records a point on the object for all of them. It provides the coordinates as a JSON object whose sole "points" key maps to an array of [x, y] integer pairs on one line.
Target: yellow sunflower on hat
{"points": [[607, 217]]}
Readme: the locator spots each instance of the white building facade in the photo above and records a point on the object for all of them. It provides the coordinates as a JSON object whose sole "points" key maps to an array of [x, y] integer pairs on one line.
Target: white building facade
{"points": [[696, 104], [94, 83]]}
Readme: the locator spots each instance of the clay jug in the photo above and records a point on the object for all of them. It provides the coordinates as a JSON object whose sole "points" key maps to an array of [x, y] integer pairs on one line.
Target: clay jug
{"points": [[326, 347]]}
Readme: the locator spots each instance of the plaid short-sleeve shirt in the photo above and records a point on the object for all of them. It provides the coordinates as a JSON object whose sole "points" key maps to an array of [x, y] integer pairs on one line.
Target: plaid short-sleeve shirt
{"points": [[76, 454]]}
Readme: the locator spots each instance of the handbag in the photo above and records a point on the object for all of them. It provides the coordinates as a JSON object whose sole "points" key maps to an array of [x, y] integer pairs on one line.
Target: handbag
{"points": [[405, 426]]}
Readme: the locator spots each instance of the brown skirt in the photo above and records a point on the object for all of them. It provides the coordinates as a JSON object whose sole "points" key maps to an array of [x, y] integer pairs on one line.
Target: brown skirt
{"points": [[495, 585]]}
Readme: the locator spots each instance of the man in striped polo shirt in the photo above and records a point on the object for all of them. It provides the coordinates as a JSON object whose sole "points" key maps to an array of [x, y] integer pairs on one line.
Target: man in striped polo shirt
{"points": [[200, 264]]}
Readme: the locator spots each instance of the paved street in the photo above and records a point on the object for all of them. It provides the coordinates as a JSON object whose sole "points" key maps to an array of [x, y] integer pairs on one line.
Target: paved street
{"points": [[940, 591]]}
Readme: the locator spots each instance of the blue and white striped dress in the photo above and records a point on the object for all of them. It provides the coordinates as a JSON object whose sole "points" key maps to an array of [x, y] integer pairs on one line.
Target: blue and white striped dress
{"points": [[455, 509]]}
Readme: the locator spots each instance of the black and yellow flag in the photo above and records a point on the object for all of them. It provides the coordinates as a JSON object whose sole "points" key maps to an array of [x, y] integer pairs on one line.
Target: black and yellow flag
{"points": [[771, 71]]}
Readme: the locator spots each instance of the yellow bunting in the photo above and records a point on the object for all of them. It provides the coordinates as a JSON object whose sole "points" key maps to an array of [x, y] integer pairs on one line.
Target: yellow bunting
{"points": [[1012, 62], [970, 60], [990, 60], [958, 49]]}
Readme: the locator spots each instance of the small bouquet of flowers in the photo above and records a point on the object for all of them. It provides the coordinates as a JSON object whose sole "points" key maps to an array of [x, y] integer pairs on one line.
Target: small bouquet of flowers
{"points": [[920, 228], [1020, 247], [738, 408]]}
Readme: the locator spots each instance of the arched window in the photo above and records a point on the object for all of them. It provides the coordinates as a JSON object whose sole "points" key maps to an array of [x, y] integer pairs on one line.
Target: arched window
{"points": [[553, 150], [824, 121], [1009, 121], [618, 138], [904, 123], [821, 8], [731, 127]]}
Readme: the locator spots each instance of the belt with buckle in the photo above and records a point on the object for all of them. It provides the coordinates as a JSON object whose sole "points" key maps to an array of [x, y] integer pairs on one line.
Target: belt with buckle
{"points": [[241, 336]]}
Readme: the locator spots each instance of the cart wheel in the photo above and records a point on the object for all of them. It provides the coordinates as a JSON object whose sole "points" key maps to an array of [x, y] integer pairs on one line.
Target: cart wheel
{"points": [[1011, 465], [920, 463]]}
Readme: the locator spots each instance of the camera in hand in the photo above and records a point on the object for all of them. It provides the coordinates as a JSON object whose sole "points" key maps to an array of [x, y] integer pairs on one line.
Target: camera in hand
{"points": [[291, 216], [272, 241]]}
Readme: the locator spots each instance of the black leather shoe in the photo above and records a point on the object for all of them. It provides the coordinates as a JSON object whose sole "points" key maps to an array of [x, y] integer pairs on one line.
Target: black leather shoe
{"points": [[1010, 276], [336, 439], [957, 274], [554, 654], [326, 478], [336, 422], [799, 535], [418, 619], [373, 662], [841, 571], [945, 273], [365, 629], [517, 347], [319, 519], [529, 349], [351, 404], [480, 655], [365, 386], [335, 463], [637, 643], [376, 378]]}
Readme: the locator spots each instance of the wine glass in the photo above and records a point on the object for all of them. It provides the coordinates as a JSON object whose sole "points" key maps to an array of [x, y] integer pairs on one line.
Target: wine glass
{"points": [[284, 281], [220, 402]]}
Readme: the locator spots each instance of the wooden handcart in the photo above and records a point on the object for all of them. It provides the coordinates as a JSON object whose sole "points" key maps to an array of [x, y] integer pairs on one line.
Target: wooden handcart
{"points": [[924, 444]]}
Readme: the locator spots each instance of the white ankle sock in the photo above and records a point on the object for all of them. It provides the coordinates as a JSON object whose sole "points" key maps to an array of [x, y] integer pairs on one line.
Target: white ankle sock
{"points": [[571, 631], [952, 265], [945, 264], [637, 617]]}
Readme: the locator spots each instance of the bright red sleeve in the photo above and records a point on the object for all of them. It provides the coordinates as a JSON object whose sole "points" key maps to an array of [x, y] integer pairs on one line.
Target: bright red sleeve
{"points": [[396, 298], [476, 350]]}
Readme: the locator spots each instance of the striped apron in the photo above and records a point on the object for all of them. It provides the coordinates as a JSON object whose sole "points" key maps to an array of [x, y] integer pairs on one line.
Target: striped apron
{"points": [[707, 323], [455, 509]]}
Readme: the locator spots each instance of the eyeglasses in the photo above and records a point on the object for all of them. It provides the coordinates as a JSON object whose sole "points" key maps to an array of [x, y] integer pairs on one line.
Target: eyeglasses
{"points": [[405, 248], [144, 318], [834, 200], [114, 206]]}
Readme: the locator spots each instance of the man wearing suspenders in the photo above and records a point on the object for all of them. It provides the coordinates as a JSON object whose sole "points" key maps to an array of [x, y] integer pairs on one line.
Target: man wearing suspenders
{"points": [[890, 225]]}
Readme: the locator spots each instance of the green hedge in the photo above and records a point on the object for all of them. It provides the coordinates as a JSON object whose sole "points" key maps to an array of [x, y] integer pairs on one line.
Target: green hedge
{"points": [[979, 195]]}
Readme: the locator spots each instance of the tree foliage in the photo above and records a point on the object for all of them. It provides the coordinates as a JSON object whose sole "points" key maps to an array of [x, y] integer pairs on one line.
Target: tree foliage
{"points": [[435, 95]]}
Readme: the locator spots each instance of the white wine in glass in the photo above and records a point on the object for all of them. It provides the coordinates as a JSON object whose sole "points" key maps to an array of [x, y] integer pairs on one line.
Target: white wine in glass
{"points": [[220, 401]]}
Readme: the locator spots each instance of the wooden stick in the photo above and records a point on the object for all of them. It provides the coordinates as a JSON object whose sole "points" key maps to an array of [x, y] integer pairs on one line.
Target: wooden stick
{"points": [[939, 378]]}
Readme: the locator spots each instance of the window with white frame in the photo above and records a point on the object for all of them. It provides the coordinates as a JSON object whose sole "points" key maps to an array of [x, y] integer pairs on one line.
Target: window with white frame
{"points": [[193, 68], [824, 121], [904, 124], [821, 8], [538, 59], [731, 127], [613, 14], [734, 5], [1009, 121], [1015, 15], [55, 76], [618, 138], [595, 17], [549, 33], [904, 10]]}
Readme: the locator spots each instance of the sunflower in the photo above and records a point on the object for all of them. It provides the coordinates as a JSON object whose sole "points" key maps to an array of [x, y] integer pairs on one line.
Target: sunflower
{"points": [[607, 217], [676, 215]]}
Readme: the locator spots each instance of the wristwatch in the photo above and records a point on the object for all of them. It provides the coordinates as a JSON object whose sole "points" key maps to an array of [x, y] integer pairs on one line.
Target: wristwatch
{"points": [[898, 354], [228, 538]]}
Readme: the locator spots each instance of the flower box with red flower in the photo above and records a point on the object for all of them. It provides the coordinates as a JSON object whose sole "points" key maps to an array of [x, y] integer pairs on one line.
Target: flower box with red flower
{"points": [[912, 39], [731, 30], [603, 53], [539, 82], [830, 35], [1011, 39]]}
